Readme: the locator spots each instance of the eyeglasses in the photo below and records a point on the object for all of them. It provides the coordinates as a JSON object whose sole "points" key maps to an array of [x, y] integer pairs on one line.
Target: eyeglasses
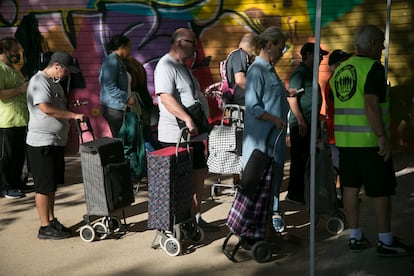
{"points": [[189, 41]]}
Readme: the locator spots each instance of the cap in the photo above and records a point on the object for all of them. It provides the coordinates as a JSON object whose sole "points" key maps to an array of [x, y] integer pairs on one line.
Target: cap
{"points": [[65, 60], [309, 47], [337, 56]]}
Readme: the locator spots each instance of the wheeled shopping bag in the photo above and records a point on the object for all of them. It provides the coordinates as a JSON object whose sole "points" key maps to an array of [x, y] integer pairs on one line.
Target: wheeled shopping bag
{"points": [[250, 213], [325, 181], [225, 147], [170, 197], [107, 184]]}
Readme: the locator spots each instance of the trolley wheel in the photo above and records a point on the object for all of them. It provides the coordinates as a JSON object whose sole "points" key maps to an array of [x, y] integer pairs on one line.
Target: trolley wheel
{"points": [[215, 191], [172, 247], [162, 241], [87, 233], [113, 224], [198, 234], [261, 251], [341, 215], [335, 226], [179, 232], [101, 230]]}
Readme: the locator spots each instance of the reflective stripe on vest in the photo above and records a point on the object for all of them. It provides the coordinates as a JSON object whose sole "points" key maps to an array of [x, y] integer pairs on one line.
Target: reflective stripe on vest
{"points": [[352, 128]]}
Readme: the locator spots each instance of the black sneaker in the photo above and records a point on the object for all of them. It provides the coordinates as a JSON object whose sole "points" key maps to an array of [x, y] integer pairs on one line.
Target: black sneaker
{"points": [[207, 227], [51, 233], [396, 249], [59, 226], [12, 193], [356, 246], [24, 188]]}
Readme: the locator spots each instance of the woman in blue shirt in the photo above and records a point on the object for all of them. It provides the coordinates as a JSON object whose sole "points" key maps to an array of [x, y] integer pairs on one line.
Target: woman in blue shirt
{"points": [[266, 103], [113, 78]]}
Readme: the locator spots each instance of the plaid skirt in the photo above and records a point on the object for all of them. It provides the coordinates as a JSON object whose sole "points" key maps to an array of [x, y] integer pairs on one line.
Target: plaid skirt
{"points": [[247, 216]]}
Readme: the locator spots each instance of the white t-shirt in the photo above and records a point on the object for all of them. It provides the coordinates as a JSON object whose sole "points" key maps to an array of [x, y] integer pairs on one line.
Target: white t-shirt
{"points": [[174, 78]]}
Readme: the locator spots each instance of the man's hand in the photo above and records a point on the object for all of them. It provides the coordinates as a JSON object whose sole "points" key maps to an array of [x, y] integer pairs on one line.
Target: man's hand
{"points": [[81, 117], [131, 100], [192, 128], [384, 147], [303, 128]]}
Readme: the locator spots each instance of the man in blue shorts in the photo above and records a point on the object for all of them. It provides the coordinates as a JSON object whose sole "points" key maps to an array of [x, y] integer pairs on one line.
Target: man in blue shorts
{"points": [[47, 137], [361, 119]]}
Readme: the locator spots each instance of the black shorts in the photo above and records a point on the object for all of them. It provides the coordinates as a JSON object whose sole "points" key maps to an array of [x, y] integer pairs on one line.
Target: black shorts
{"points": [[363, 166], [199, 158], [47, 164]]}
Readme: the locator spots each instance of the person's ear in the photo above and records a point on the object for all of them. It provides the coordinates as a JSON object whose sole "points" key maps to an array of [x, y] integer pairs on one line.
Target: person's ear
{"points": [[269, 46]]}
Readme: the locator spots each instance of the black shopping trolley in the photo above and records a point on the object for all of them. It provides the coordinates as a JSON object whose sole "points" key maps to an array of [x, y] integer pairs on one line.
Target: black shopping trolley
{"points": [[252, 206], [107, 184]]}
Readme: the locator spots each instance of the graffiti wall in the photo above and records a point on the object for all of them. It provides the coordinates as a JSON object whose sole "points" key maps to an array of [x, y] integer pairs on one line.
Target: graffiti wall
{"points": [[83, 28]]}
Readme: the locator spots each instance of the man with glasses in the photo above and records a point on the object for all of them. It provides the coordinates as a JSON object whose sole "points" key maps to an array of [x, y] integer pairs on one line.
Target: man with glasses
{"points": [[176, 87], [300, 121]]}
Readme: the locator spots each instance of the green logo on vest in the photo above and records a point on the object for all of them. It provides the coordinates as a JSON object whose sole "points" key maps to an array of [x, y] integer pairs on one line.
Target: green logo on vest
{"points": [[345, 82]]}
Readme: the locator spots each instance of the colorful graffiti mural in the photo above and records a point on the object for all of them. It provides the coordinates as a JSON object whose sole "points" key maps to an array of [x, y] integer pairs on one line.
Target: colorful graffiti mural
{"points": [[82, 28]]}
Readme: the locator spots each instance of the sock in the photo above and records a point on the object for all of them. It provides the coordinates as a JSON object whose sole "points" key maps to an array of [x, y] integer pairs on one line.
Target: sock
{"points": [[197, 217], [338, 193], [356, 233], [386, 238]]}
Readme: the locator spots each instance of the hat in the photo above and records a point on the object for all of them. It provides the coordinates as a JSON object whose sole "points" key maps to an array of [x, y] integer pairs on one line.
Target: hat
{"points": [[65, 60], [309, 47], [337, 56]]}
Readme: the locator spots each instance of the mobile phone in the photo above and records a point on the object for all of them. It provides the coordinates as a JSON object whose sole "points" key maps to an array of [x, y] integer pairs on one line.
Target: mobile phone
{"points": [[83, 102], [300, 90]]}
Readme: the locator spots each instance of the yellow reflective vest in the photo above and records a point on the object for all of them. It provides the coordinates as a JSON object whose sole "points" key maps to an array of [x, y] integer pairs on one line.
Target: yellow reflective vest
{"points": [[352, 128]]}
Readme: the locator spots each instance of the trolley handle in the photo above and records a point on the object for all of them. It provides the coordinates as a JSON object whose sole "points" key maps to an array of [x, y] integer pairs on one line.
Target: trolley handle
{"points": [[183, 131], [82, 130], [230, 108], [274, 146]]}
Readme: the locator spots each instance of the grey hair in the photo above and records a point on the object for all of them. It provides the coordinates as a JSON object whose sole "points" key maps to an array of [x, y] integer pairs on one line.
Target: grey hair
{"points": [[366, 36]]}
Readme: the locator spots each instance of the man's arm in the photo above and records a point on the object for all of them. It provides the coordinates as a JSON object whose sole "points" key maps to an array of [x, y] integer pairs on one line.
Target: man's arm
{"points": [[294, 107], [9, 93], [177, 110], [373, 111], [240, 79], [58, 113]]}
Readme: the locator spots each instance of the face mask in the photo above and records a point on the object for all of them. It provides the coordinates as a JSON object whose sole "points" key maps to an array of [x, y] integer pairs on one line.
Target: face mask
{"points": [[56, 80], [13, 58]]}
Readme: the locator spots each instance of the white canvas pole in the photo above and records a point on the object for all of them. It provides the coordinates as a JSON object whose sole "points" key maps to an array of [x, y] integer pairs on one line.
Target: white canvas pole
{"points": [[315, 121]]}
